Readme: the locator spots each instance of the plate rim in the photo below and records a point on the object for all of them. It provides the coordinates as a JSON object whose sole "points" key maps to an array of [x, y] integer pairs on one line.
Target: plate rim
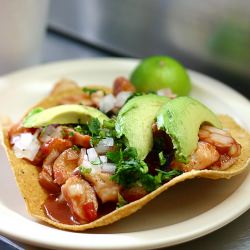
{"points": [[193, 74]]}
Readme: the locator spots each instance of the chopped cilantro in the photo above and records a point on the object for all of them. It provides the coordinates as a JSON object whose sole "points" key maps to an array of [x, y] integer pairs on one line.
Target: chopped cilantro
{"points": [[43, 130], [164, 176], [71, 133], [162, 158], [127, 173], [82, 129], [94, 126], [121, 201], [89, 91], [130, 170], [130, 153], [109, 124], [84, 170], [75, 147], [63, 133], [114, 156], [94, 141], [96, 162]]}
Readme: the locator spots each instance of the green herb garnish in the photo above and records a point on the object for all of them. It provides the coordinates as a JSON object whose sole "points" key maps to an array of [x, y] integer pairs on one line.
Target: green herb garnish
{"points": [[84, 170], [89, 91], [96, 162], [43, 130], [94, 126], [162, 158], [164, 176], [75, 147], [121, 201], [71, 133], [63, 133]]}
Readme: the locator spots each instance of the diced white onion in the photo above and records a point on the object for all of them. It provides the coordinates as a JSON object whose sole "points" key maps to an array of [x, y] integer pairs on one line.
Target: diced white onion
{"points": [[86, 164], [108, 167], [104, 145], [83, 154], [92, 155], [107, 103], [121, 98], [103, 159], [25, 145], [94, 168], [109, 142], [51, 132]]}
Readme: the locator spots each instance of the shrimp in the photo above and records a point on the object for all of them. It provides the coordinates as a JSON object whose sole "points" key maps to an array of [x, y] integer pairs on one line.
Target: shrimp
{"points": [[81, 199], [216, 150], [122, 84], [221, 139], [134, 193], [46, 175], [225, 144], [77, 138], [64, 165], [96, 98], [105, 188], [204, 156]]}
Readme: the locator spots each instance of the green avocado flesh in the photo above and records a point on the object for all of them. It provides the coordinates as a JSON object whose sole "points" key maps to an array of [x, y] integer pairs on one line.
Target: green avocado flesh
{"points": [[63, 114], [135, 121], [181, 118]]}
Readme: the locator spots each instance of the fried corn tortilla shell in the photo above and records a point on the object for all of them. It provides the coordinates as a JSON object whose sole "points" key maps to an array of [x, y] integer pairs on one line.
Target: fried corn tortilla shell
{"points": [[34, 195]]}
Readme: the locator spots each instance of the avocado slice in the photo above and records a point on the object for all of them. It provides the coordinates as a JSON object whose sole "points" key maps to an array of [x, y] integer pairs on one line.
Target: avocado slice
{"points": [[63, 114], [181, 119], [135, 120]]}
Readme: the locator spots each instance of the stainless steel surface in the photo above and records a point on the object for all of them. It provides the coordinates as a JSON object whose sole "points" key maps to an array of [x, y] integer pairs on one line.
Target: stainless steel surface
{"points": [[212, 32], [56, 48]]}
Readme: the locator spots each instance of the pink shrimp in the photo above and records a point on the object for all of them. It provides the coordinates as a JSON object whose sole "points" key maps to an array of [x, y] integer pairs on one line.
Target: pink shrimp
{"points": [[105, 188], [64, 165], [216, 150], [225, 144], [81, 199]]}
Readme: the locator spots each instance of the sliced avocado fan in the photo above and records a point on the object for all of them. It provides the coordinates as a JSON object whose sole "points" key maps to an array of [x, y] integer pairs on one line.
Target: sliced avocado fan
{"points": [[181, 118], [135, 120], [63, 114]]}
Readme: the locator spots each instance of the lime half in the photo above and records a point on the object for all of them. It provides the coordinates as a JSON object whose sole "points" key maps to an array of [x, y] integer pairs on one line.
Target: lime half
{"points": [[158, 72]]}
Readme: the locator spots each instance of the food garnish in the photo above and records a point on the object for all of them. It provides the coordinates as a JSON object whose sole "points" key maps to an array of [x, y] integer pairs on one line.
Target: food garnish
{"points": [[87, 157]]}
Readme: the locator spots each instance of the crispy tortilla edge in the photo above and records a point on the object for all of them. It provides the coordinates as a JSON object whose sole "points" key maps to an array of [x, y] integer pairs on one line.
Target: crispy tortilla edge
{"points": [[27, 179], [34, 195]]}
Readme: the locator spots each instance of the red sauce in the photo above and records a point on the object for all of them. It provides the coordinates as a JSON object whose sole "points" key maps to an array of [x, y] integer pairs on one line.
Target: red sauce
{"points": [[59, 211], [105, 208], [162, 142]]}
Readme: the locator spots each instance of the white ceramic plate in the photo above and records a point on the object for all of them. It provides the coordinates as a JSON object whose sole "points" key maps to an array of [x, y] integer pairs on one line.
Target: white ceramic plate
{"points": [[186, 211]]}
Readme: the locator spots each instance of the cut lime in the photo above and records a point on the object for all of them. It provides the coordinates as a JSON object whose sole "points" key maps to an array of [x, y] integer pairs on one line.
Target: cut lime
{"points": [[158, 72]]}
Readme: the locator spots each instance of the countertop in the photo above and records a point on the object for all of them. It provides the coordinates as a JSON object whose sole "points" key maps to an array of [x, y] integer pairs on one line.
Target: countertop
{"points": [[235, 235]]}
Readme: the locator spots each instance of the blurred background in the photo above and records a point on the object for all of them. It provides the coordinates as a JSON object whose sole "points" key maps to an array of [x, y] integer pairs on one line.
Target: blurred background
{"points": [[212, 36]]}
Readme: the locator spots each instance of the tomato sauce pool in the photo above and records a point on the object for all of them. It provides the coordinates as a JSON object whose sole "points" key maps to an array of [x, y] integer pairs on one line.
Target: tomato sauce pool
{"points": [[58, 210]]}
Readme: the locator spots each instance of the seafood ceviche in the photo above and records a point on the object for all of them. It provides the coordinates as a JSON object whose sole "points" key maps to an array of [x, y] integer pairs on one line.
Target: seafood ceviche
{"points": [[99, 154], [89, 161]]}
